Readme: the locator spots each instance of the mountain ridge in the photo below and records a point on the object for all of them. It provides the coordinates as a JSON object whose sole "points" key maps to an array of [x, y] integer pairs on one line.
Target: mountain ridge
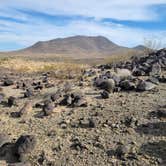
{"points": [[75, 44]]}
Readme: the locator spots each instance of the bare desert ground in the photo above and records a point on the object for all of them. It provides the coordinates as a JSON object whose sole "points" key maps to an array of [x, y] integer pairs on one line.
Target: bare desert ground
{"points": [[77, 115]]}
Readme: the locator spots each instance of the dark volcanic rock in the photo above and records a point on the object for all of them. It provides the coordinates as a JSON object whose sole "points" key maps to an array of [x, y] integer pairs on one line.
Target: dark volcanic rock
{"points": [[24, 145], [24, 110], [29, 93], [77, 145], [2, 95], [127, 85], [145, 86], [104, 94], [121, 151], [161, 113], [8, 82], [107, 85], [11, 101], [86, 123], [74, 99], [48, 108]]}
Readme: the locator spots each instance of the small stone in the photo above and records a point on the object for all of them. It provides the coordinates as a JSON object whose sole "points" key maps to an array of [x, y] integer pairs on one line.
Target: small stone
{"points": [[11, 101], [28, 93], [104, 94], [2, 97], [48, 108], [8, 82]]}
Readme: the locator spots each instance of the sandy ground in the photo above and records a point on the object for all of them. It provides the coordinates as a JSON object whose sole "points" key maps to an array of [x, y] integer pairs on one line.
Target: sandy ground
{"points": [[63, 141]]}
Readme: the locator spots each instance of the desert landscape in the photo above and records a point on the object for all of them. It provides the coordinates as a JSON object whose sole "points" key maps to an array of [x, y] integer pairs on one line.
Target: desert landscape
{"points": [[82, 83], [75, 113]]}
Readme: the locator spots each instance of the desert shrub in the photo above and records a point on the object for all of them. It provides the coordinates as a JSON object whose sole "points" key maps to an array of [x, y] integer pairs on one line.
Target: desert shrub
{"points": [[151, 44]]}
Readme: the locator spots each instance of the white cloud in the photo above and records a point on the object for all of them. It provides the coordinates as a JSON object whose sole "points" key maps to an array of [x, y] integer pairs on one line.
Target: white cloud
{"points": [[26, 35], [37, 29], [116, 9]]}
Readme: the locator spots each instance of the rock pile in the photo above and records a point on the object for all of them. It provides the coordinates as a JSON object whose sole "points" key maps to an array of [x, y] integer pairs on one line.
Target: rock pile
{"points": [[128, 75]]}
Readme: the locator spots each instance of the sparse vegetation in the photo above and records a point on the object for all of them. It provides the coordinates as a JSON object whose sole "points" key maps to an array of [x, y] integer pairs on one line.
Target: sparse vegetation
{"points": [[125, 56], [60, 69], [151, 44]]}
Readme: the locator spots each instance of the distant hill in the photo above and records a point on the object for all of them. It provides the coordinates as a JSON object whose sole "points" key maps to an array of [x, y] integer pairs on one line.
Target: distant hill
{"points": [[140, 48], [75, 46]]}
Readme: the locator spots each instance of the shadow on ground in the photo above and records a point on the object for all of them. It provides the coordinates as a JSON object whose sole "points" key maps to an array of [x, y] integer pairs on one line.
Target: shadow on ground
{"points": [[155, 149], [156, 129]]}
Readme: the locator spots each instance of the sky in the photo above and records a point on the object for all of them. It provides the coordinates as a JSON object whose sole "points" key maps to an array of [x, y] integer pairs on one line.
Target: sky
{"points": [[125, 22]]}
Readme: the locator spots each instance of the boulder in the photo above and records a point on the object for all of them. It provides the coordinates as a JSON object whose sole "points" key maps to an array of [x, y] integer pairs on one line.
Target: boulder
{"points": [[2, 96], [107, 85], [29, 93], [123, 73], [8, 82], [104, 94], [24, 145], [145, 86], [11, 101], [127, 85], [74, 99], [48, 108]]}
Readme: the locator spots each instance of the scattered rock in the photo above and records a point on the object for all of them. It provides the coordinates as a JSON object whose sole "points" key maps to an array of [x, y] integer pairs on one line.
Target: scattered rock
{"points": [[8, 82], [104, 94], [153, 80], [24, 145], [121, 151], [28, 93], [107, 85], [2, 95], [77, 145], [74, 99], [24, 110], [48, 108], [145, 86], [161, 113], [12, 101], [127, 85], [86, 123]]}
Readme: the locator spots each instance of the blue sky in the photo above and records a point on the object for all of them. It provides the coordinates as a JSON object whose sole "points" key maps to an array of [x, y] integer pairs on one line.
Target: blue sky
{"points": [[125, 22]]}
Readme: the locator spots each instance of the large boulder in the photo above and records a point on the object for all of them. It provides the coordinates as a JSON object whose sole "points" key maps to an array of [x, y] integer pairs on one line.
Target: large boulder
{"points": [[107, 85], [123, 73]]}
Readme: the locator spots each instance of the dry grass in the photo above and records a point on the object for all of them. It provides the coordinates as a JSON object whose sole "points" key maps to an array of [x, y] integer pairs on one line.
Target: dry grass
{"points": [[125, 56], [60, 69]]}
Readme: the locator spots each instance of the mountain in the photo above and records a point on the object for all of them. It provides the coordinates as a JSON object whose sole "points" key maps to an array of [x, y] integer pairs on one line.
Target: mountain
{"points": [[75, 46], [140, 48]]}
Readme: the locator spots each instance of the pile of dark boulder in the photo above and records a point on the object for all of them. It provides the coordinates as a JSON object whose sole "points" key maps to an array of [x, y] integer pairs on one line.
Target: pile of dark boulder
{"points": [[139, 74]]}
